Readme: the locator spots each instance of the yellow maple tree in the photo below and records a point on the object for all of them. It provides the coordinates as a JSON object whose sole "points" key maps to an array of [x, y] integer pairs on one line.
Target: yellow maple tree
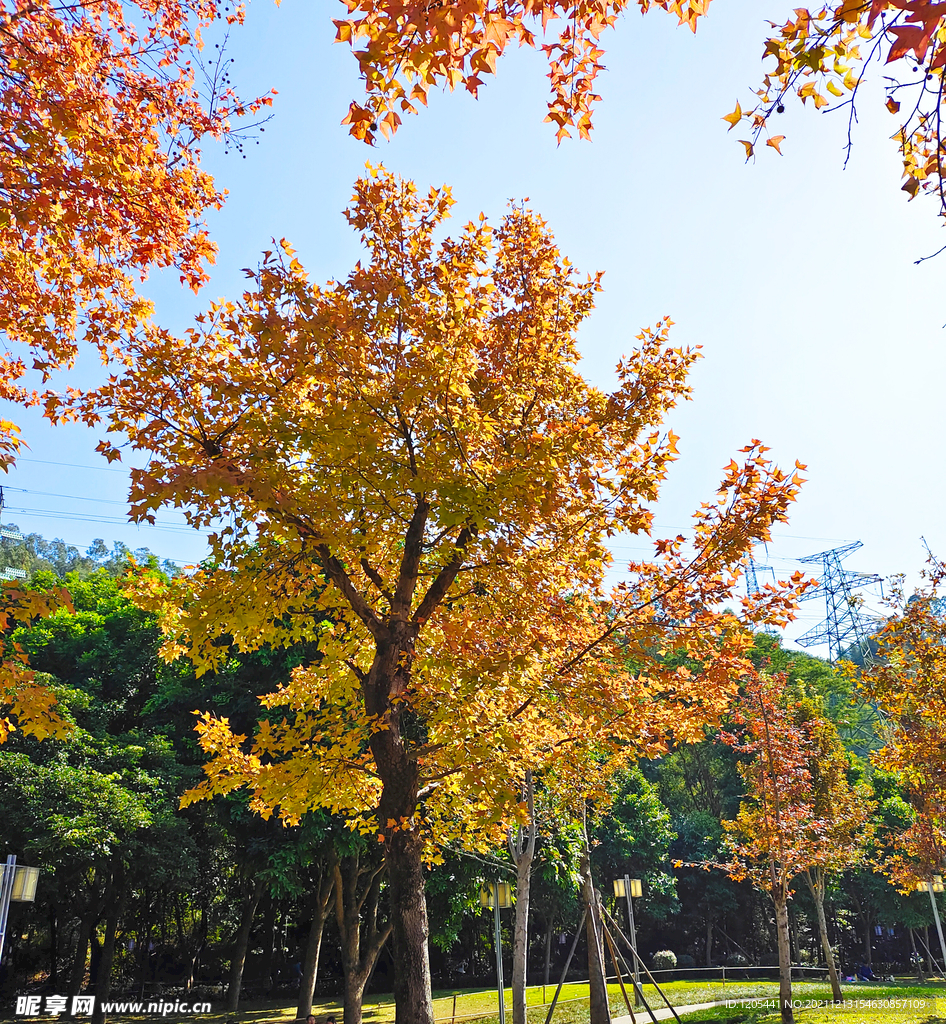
{"points": [[407, 469]]}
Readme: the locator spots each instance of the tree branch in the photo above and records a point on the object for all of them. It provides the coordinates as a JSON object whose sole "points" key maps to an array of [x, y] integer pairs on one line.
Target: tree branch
{"points": [[444, 580], [377, 580], [336, 573], [410, 563]]}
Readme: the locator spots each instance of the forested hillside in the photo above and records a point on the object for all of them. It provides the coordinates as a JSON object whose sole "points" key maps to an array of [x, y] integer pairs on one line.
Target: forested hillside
{"points": [[139, 895]]}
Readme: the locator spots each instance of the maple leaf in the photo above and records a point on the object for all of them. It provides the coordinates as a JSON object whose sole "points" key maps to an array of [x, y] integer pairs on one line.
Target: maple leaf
{"points": [[25, 705], [909, 37], [735, 117]]}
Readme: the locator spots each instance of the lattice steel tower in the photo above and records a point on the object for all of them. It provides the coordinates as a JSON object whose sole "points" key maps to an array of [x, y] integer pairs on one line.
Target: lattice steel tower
{"points": [[7, 572], [755, 569], [845, 623]]}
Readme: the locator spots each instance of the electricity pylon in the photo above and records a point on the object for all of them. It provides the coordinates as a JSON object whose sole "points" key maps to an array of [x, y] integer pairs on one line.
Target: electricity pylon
{"points": [[7, 572], [753, 571], [845, 624]]}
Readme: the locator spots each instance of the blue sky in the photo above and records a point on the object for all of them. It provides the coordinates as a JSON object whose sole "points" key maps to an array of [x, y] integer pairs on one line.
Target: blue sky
{"points": [[820, 336]]}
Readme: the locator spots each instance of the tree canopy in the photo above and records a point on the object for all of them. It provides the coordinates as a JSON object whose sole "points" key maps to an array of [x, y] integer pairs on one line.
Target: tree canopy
{"points": [[103, 112], [820, 54]]}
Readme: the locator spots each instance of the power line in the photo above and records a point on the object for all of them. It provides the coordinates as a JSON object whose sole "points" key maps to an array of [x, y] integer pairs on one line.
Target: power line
{"points": [[105, 520], [71, 497], [73, 465]]}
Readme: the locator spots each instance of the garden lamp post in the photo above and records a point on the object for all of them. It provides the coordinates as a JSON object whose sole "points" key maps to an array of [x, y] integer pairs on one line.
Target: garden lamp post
{"points": [[18, 884], [934, 885], [498, 895], [630, 887]]}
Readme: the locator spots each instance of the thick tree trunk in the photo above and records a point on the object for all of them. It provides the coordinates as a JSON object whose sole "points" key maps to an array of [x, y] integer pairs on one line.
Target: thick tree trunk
{"points": [[816, 887], [522, 849], [114, 901], [599, 1009], [388, 680], [240, 944], [310, 963], [357, 890], [352, 997], [387, 692], [784, 959], [53, 948], [269, 944], [412, 995]]}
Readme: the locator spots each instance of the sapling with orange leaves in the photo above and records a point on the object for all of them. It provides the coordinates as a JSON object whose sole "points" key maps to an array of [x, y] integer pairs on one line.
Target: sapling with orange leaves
{"points": [[907, 681], [800, 816]]}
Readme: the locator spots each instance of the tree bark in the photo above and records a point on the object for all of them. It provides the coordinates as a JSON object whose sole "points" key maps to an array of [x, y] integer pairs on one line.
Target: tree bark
{"points": [[816, 886], [388, 679], [356, 896], [77, 975], [548, 953], [599, 1008], [240, 944], [310, 964], [387, 693], [784, 958], [114, 901], [709, 939], [522, 850], [84, 935], [270, 912], [53, 948]]}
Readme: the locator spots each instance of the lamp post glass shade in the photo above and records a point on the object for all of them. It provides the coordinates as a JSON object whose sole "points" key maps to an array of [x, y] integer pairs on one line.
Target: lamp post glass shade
{"points": [[488, 892], [636, 888], [619, 888], [24, 884], [938, 883]]}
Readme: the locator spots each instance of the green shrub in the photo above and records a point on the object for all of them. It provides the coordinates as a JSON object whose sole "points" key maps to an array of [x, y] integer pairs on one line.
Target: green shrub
{"points": [[664, 960]]}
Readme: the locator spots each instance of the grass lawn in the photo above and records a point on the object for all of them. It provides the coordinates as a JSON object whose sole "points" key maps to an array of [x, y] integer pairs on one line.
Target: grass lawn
{"points": [[866, 1004]]}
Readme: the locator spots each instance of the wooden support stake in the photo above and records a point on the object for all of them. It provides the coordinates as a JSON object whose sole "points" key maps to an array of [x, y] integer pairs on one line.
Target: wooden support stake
{"points": [[617, 971], [568, 963]]}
